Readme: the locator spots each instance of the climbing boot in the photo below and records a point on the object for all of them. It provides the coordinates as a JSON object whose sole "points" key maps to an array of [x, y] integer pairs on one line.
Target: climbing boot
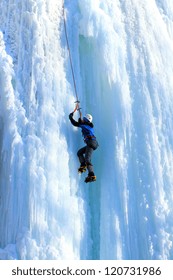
{"points": [[82, 168], [90, 178]]}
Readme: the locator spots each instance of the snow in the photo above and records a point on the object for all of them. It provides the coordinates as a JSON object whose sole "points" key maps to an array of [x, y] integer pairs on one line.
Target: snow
{"points": [[122, 57]]}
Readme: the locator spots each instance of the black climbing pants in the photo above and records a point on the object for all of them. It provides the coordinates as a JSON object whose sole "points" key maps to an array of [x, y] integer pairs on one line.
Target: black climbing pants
{"points": [[85, 154]]}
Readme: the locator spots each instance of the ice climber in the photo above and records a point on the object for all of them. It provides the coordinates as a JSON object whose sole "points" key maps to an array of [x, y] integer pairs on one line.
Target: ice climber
{"points": [[84, 154]]}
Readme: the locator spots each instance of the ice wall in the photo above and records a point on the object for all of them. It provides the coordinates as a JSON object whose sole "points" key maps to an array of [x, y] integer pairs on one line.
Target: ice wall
{"points": [[122, 58], [41, 214], [124, 55]]}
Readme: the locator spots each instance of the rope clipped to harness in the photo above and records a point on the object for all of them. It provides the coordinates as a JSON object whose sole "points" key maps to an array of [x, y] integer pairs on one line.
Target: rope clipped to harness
{"points": [[71, 65]]}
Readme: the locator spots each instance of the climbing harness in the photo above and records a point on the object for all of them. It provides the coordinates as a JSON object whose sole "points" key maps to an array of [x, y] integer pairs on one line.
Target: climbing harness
{"points": [[71, 64]]}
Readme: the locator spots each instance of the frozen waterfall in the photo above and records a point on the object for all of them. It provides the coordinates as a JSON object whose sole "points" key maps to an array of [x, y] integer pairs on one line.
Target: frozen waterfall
{"points": [[122, 54]]}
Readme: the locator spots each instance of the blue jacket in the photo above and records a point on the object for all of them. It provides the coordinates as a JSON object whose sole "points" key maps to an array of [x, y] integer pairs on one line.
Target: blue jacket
{"points": [[87, 128]]}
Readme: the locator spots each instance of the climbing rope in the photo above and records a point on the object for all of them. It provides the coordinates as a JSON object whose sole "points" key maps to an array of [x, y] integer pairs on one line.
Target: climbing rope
{"points": [[71, 64]]}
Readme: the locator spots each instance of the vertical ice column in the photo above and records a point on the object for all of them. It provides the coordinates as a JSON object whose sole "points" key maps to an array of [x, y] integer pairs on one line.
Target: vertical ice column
{"points": [[43, 217]]}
